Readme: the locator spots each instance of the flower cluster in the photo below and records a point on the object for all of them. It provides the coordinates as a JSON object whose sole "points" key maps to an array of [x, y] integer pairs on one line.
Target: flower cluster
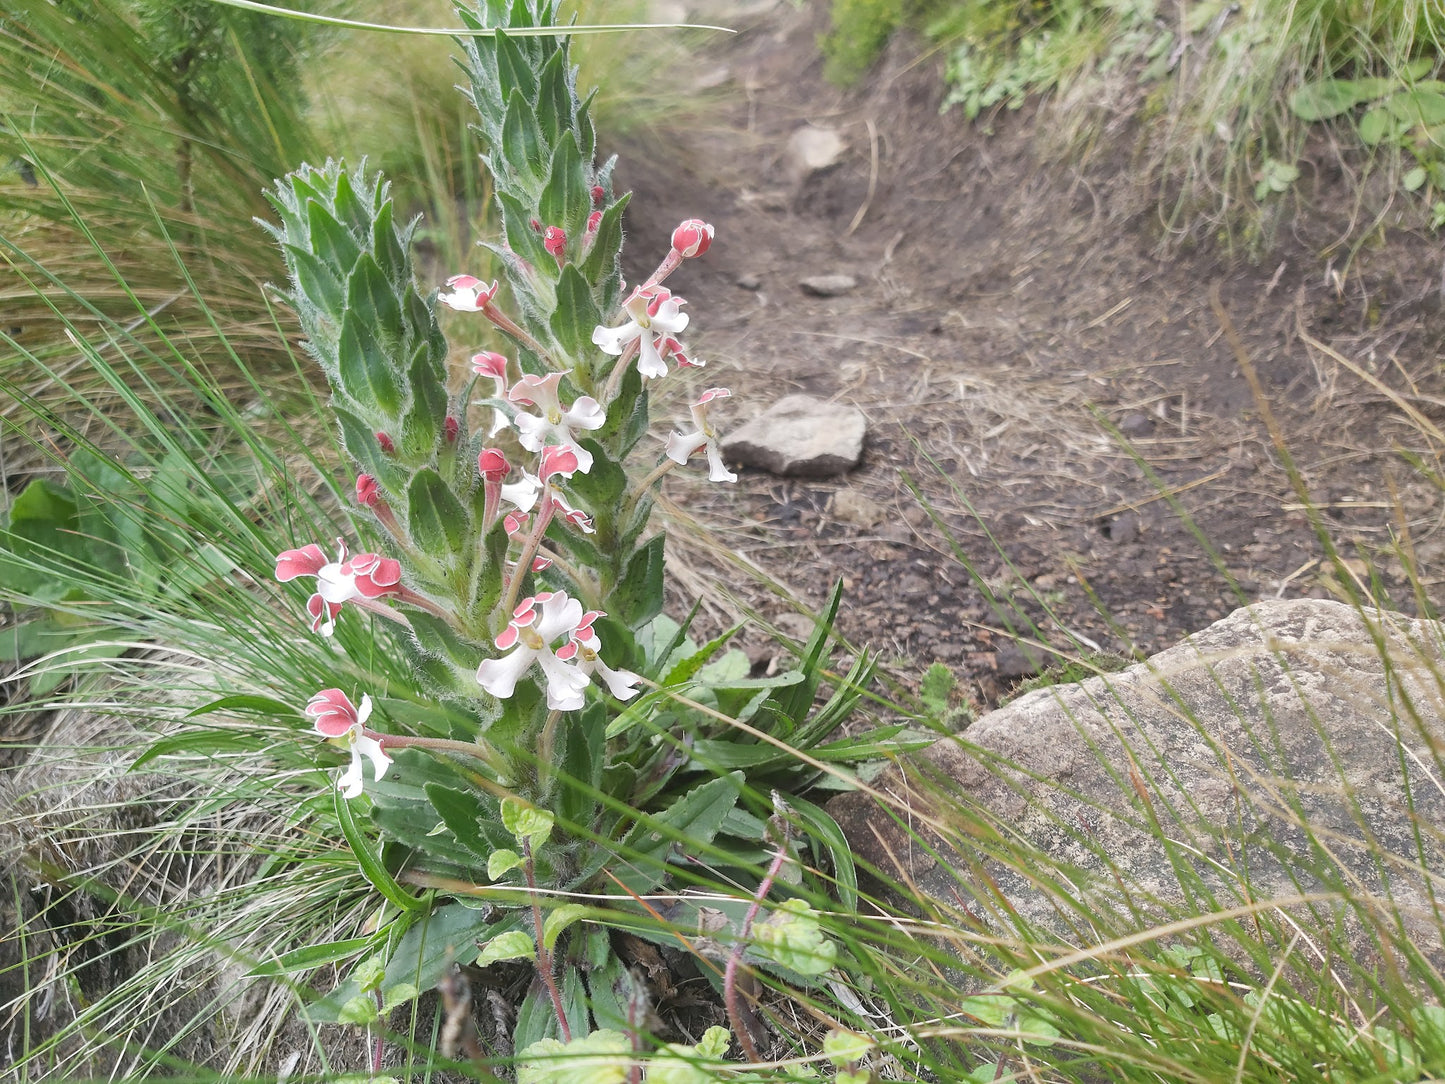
{"points": [[548, 417]]}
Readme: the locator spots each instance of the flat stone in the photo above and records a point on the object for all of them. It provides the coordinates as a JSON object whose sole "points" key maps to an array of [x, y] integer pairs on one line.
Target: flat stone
{"points": [[829, 285], [1263, 747], [800, 436], [811, 150]]}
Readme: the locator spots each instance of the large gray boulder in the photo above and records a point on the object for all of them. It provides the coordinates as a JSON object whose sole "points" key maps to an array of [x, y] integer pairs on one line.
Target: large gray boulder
{"points": [[1289, 753]]}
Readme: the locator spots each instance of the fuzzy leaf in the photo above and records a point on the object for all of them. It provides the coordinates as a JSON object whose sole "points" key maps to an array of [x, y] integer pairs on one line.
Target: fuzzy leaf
{"points": [[637, 599], [576, 315], [440, 525], [364, 370], [558, 919]]}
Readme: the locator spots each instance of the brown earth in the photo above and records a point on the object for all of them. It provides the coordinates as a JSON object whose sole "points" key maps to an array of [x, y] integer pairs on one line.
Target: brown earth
{"points": [[1015, 320]]}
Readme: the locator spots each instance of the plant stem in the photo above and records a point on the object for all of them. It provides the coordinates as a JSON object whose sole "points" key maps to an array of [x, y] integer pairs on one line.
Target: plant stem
{"points": [[730, 976], [619, 370], [477, 750], [529, 551], [546, 746], [640, 490], [544, 958], [506, 324]]}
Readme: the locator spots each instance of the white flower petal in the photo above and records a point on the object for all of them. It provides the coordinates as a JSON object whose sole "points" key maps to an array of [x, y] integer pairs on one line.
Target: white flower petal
{"points": [[620, 683], [499, 676], [681, 446], [566, 685], [612, 340], [586, 413], [561, 614], [523, 494], [716, 470]]}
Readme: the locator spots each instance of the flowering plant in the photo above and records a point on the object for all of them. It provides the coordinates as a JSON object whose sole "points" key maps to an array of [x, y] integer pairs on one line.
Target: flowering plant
{"points": [[534, 725]]}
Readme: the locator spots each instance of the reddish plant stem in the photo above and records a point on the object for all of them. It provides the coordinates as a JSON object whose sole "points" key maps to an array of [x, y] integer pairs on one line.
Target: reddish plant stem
{"points": [[730, 975], [544, 958], [529, 551]]}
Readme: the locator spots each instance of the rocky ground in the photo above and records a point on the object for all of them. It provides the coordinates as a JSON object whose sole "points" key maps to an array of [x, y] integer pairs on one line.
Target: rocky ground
{"points": [[1066, 391]]}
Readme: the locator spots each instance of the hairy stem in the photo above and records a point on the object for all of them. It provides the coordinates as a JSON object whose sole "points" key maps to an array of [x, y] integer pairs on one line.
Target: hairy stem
{"points": [[544, 958], [730, 975]]}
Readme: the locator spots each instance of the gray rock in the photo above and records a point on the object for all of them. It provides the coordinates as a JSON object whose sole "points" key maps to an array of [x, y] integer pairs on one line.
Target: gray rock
{"points": [[800, 436], [1136, 425], [1264, 748], [812, 150], [829, 285], [749, 281]]}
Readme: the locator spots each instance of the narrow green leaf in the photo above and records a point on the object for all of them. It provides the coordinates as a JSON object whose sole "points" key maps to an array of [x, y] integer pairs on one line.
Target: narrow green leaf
{"points": [[370, 862], [521, 148], [462, 814], [365, 371]]}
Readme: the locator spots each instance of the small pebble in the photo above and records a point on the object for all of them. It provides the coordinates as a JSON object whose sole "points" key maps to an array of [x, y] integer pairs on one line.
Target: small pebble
{"points": [[748, 281], [829, 285], [1136, 425]]}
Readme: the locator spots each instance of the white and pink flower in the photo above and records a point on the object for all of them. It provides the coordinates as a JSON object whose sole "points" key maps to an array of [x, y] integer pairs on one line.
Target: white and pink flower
{"points": [[556, 425], [336, 717], [682, 446], [655, 320], [468, 293], [537, 623], [583, 650], [362, 579]]}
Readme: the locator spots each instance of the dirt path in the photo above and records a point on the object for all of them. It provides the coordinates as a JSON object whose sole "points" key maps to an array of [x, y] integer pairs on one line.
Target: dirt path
{"points": [[1007, 313]]}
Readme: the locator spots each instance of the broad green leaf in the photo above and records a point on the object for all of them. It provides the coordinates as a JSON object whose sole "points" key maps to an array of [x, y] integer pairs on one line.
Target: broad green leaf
{"points": [[1332, 97], [692, 821], [1376, 126], [502, 861], [558, 919], [461, 812], [521, 149], [365, 372], [638, 597], [527, 821], [440, 524], [514, 945], [576, 315], [565, 199]]}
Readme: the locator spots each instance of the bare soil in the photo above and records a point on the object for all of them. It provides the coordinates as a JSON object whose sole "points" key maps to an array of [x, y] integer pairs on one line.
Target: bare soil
{"points": [[1039, 365]]}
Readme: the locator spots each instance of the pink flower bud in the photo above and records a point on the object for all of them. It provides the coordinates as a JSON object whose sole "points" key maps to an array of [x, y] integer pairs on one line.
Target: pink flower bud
{"points": [[452, 428], [554, 240], [598, 195], [385, 441], [593, 221], [535, 224], [692, 238], [493, 465], [368, 494], [557, 459], [490, 363]]}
